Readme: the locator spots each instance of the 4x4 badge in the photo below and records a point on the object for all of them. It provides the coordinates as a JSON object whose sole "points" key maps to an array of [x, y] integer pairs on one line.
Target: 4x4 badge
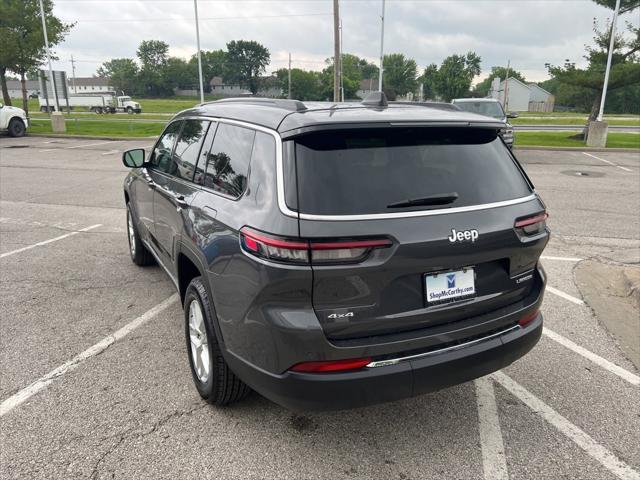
{"points": [[463, 236]]}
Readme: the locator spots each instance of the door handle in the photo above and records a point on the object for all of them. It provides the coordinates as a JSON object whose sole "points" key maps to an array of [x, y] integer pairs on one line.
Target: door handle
{"points": [[180, 202]]}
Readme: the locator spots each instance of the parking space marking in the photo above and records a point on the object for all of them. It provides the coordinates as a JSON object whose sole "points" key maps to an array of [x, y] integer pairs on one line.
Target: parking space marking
{"points": [[110, 152], [609, 162], [561, 259], [91, 144], [43, 382], [494, 460], [566, 296], [598, 452], [51, 240], [597, 359]]}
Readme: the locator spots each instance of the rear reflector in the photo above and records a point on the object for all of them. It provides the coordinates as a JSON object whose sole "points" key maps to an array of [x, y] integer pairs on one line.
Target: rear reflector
{"points": [[527, 319], [331, 366], [303, 252]]}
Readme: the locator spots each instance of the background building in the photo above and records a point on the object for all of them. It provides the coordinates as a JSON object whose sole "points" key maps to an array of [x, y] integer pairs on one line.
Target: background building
{"points": [[522, 97]]}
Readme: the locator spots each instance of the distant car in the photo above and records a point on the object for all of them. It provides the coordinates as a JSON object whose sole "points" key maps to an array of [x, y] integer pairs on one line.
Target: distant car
{"points": [[13, 120], [489, 107]]}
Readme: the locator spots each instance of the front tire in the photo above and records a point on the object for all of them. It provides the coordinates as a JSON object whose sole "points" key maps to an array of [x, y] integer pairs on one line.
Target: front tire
{"points": [[130, 110], [16, 127], [139, 253], [213, 378]]}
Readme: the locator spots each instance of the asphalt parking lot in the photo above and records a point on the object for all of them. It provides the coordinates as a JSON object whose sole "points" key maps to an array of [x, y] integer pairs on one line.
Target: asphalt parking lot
{"points": [[95, 381]]}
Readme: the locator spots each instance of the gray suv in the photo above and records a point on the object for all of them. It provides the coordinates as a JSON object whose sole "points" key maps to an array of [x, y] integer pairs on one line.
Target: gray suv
{"points": [[331, 256]]}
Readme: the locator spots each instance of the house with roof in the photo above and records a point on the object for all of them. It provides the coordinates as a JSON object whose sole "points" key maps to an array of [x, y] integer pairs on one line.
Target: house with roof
{"points": [[522, 97]]}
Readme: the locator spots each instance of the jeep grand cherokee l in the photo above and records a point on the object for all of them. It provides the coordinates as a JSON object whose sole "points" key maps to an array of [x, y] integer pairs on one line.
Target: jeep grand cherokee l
{"points": [[330, 256]]}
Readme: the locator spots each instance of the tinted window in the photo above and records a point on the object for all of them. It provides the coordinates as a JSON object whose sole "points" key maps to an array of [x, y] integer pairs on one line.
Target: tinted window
{"points": [[185, 155], [204, 152], [362, 172], [161, 157], [228, 160]]}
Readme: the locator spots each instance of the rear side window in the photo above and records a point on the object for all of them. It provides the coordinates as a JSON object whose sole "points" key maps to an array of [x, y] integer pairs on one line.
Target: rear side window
{"points": [[366, 172], [185, 155], [228, 160], [161, 157]]}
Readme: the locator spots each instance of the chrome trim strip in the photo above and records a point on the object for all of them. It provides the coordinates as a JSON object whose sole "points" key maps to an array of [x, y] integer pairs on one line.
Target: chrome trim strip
{"points": [[419, 213], [395, 361]]}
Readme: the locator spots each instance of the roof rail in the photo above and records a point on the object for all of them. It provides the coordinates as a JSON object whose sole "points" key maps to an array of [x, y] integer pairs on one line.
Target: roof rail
{"points": [[376, 99], [286, 104]]}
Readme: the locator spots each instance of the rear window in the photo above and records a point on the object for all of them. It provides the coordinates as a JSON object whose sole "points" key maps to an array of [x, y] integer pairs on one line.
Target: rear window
{"points": [[364, 171]]}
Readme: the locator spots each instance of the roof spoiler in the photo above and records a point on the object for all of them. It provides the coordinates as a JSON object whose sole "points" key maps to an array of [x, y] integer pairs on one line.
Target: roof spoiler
{"points": [[376, 99]]}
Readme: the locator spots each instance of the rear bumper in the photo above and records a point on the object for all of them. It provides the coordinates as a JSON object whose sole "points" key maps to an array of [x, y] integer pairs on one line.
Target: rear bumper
{"points": [[434, 371]]}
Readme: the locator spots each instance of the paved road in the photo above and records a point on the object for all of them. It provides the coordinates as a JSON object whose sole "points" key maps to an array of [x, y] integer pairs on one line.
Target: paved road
{"points": [[572, 128], [115, 398]]}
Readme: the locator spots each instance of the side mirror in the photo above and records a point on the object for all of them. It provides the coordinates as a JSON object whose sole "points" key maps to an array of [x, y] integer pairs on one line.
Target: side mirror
{"points": [[133, 158], [512, 115]]}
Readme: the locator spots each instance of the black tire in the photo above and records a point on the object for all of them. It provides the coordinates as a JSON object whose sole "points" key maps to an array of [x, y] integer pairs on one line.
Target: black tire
{"points": [[222, 386], [139, 253], [99, 110], [16, 128], [43, 109], [130, 110]]}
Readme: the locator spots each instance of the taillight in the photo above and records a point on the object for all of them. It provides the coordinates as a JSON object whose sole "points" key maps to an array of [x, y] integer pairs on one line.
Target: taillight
{"points": [[331, 366], [532, 224], [306, 252], [527, 319]]}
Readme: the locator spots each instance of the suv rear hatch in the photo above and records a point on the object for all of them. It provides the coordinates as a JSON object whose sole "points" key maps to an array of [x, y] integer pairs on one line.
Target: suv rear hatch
{"points": [[437, 210]]}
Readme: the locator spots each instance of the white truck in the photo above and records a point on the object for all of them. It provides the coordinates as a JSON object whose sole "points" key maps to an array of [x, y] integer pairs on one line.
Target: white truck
{"points": [[13, 120], [97, 103]]}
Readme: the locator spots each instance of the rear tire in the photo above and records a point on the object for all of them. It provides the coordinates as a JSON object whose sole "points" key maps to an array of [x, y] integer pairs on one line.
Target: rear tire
{"points": [[139, 253], [213, 378], [16, 127]]}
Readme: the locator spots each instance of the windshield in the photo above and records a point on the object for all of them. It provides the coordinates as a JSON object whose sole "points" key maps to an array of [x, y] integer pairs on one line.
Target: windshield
{"points": [[488, 109], [125, 99], [365, 171]]}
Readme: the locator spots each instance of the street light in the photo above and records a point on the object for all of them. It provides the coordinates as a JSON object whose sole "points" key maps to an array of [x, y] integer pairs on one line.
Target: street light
{"points": [[195, 8]]}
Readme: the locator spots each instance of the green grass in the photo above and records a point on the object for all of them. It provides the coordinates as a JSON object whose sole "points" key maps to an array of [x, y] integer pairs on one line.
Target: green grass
{"points": [[563, 139], [100, 128]]}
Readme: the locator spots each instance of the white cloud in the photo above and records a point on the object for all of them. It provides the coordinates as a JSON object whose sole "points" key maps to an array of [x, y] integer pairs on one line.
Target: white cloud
{"points": [[528, 32]]}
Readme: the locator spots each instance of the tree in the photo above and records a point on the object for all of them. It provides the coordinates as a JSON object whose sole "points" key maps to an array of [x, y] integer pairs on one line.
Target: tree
{"points": [[212, 65], [354, 69], [179, 74], [453, 78], [23, 48], [122, 72], [482, 88], [304, 85], [153, 56], [399, 75], [428, 82], [245, 61], [625, 66]]}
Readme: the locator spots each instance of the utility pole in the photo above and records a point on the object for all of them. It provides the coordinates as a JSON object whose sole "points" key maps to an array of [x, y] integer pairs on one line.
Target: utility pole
{"points": [[606, 72], [506, 88], [381, 48], [46, 45], [73, 74], [195, 8], [289, 94], [336, 51]]}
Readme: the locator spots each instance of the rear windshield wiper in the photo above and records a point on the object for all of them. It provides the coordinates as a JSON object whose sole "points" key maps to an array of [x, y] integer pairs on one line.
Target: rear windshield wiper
{"points": [[439, 199]]}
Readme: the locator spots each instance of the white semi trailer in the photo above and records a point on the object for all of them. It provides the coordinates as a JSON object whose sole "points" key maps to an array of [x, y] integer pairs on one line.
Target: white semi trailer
{"points": [[97, 103]]}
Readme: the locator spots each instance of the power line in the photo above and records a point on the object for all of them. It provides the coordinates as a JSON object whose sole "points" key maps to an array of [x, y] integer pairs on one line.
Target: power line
{"points": [[173, 19]]}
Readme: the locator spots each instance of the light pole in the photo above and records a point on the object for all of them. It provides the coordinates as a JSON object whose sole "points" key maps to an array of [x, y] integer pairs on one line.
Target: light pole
{"points": [[606, 73], [195, 7], [46, 45], [381, 48]]}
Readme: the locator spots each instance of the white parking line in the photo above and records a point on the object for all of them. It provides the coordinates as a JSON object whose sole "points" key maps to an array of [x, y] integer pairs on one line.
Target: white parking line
{"points": [[606, 458], [494, 460], [597, 359], [91, 144], [51, 240], [566, 296], [561, 259], [110, 152], [43, 382], [610, 163]]}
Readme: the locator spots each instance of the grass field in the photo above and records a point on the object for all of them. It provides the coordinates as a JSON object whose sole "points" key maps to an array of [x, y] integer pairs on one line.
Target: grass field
{"points": [[149, 105], [563, 139], [99, 128], [567, 120]]}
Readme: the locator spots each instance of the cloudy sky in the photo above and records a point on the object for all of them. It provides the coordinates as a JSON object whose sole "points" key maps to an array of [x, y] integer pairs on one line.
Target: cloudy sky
{"points": [[528, 32]]}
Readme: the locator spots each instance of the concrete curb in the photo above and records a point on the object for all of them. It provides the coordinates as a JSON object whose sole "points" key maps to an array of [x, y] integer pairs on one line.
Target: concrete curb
{"points": [[89, 137], [576, 149]]}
